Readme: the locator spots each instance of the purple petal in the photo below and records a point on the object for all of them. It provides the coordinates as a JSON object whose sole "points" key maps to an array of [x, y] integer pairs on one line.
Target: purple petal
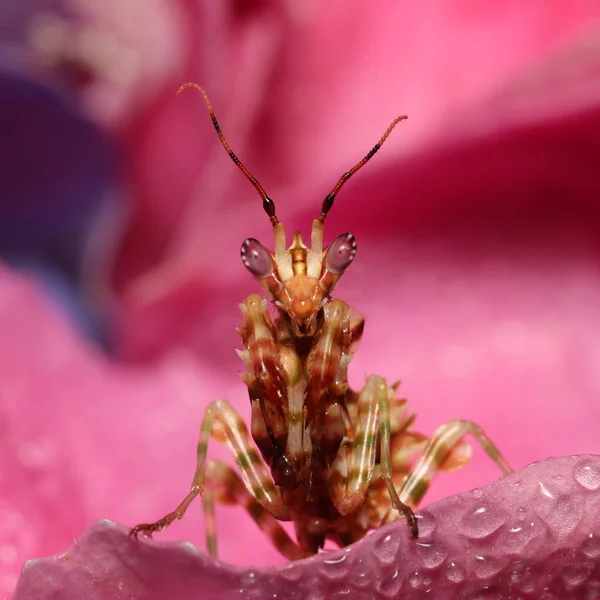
{"points": [[533, 534], [57, 172]]}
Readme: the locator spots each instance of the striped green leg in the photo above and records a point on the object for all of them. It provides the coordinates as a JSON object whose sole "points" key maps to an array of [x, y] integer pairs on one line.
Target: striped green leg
{"points": [[352, 471], [438, 452], [225, 486], [222, 422]]}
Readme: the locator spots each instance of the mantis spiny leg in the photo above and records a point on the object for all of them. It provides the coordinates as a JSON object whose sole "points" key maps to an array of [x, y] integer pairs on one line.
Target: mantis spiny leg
{"points": [[225, 486], [438, 450], [226, 426], [353, 469]]}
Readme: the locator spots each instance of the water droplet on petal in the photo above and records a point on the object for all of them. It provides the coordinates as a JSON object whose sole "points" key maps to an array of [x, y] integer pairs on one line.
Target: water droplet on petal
{"points": [[431, 554], [391, 585], [486, 567], [575, 574], [524, 534], [291, 572], [591, 546], [477, 493], [483, 521], [455, 572], [363, 573], [427, 524], [416, 580], [526, 577], [385, 548], [337, 567], [587, 474]]}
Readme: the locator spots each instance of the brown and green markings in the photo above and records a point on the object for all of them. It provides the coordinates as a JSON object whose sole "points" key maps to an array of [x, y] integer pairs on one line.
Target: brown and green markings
{"points": [[335, 462]]}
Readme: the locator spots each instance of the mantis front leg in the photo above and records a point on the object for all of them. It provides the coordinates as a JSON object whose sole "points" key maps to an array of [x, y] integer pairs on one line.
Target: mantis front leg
{"points": [[225, 486], [222, 422], [353, 469]]}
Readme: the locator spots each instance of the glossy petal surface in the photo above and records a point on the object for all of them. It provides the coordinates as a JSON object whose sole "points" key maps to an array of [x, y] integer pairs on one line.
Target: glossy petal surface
{"points": [[533, 534]]}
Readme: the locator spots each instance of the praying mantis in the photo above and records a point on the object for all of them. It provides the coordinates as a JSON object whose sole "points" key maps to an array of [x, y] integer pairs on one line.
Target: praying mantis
{"points": [[335, 462]]}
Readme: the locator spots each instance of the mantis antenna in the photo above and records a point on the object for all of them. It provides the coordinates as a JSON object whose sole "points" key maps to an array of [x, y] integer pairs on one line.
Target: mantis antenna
{"points": [[268, 204]]}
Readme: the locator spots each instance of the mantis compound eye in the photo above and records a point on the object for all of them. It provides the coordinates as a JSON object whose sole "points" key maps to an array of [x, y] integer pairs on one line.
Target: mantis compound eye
{"points": [[341, 253], [256, 258]]}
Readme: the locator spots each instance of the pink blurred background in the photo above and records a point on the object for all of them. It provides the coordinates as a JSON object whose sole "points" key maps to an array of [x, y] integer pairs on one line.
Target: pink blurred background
{"points": [[121, 219]]}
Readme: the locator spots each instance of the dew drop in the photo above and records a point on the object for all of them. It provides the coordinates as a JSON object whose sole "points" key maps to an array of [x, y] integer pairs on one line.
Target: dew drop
{"points": [[483, 521], [432, 555], [427, 524], [575, 574], [385, 548], [291, 572], [362, 579], [335, 561], [455, 572], [416, 580], [591, 546], [391, 585], [525, 577], [587, 474], [363, 573], [337, 567], [523, 534], [487, 566]]}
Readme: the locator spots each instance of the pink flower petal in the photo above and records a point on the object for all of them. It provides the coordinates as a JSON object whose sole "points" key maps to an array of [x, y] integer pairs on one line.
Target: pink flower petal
{"points": [[533, 534], [81, 437]]}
